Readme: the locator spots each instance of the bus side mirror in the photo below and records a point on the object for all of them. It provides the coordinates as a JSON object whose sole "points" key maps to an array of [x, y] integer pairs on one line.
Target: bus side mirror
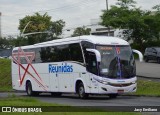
{"points": [[97, 53], [140, 55]]}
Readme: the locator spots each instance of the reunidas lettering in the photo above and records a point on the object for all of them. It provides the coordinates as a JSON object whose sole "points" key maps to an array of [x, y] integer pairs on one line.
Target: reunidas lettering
{"points": [[63, 68]]}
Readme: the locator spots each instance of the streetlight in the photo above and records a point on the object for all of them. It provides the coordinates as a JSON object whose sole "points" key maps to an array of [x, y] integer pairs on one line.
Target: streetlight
{"points": [[25, 27], [31, 33]]}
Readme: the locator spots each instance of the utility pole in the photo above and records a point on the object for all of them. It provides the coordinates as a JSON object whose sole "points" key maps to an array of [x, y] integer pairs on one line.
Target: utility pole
{"points": [[107, 11], [107, 5], [0, 26]]}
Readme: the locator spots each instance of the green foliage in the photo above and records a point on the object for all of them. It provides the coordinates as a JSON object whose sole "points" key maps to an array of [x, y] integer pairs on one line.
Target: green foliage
{"points": [[5, 75], [148, 87], [145, 45], [56, 27], [4, 43], [43, 25], [142, 26], [126, 3], [21, 101], [38, 23], [81, 31]]}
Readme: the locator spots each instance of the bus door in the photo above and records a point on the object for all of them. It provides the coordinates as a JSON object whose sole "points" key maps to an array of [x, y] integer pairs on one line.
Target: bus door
{"points": [[92, 68]]}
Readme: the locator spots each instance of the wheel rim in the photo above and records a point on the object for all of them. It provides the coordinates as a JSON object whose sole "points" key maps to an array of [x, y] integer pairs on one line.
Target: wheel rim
{"points": [[81, 91], [29, 90]]}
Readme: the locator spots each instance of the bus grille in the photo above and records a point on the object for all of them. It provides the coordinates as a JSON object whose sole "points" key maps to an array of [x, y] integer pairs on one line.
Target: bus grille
{"points": [[120, 85]]}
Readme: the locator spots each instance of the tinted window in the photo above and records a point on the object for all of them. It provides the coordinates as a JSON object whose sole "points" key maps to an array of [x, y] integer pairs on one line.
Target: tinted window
{"points": [[62, 53], [86, 45], [149, 50], [38, 55], [75, 52], [91, 63], [68, 52], [153, 50], [24, 59]]}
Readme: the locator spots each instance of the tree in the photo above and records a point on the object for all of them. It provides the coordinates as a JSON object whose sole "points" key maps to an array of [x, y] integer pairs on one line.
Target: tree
{"points": [[81, 31], [43, 25], [18, 41], [141, 25], [56, 27], [4, 44]]}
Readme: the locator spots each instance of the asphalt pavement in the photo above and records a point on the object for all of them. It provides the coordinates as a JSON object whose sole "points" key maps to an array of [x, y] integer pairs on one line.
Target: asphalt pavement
{"points": [[73, 100], [148, 70]]}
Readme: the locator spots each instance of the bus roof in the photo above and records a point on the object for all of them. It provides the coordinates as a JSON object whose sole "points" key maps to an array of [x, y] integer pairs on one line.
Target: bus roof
{"points": [[104, 40]]}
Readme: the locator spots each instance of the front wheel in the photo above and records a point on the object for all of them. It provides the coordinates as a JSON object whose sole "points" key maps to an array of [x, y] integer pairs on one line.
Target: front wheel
{"points": [[81, 91]]}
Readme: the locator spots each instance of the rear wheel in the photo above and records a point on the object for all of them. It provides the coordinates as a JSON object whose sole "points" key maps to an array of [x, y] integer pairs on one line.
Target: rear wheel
{"points": [[113, 96], [81, 91], [29, 90]]}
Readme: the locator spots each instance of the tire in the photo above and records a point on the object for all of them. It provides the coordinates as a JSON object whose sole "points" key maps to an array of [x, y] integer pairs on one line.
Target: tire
{"points": [[81, 91], [29, 90], [146, 59], [158, 60], [112, 96], [56, 94]]}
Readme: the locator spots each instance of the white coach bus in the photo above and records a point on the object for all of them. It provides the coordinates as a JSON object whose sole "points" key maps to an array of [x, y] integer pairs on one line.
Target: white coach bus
{"points": [[83, 65]]}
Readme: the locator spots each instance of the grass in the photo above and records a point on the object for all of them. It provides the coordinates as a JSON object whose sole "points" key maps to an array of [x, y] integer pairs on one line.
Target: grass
{"points": [[147, 87], [23, 102], [5, 75]]}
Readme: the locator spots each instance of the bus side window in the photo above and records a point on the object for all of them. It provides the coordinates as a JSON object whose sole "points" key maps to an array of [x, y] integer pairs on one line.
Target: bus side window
{"points": [[76, 52], [86, 45], [91, 63]]}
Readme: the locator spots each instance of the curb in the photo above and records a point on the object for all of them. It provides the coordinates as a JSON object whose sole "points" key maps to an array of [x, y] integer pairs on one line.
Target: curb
{"points": [[148, 77], [119, 95], [140, 95]]}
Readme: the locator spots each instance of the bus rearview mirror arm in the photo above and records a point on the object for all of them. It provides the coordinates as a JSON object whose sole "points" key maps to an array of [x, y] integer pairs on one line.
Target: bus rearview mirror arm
{"points": [[139, 54], [97, 53]]}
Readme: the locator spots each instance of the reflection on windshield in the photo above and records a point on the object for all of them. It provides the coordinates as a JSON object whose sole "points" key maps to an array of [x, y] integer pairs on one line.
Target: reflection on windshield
{"points": [[117, 62]]}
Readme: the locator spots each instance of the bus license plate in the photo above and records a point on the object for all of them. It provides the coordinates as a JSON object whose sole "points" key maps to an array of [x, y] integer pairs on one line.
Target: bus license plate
{"points": [[120, 91]]}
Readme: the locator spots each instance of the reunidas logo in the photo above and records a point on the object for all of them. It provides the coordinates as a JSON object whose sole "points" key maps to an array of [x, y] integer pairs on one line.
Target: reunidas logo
{"points": [[63, 68]]}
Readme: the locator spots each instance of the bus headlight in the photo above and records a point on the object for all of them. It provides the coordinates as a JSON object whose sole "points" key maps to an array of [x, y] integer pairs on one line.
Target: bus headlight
{"points": [[105, 82]]}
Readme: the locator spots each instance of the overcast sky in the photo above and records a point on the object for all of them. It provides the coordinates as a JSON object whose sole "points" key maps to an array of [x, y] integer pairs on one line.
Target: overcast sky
{"points": [[74, 12]]}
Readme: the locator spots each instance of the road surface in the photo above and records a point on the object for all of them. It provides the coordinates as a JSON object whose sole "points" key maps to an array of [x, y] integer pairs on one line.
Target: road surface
{"points": [[73, 100], [150, 69]]}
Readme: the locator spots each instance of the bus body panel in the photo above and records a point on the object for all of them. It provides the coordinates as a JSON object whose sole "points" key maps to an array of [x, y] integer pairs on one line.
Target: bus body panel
{"points": [[53, 76]]}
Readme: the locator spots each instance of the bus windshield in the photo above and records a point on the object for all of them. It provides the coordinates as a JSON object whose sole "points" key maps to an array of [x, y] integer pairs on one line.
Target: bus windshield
{"points": [[116, 62]]}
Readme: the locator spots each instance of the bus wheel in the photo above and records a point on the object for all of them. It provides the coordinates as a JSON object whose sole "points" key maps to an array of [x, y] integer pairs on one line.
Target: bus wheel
{"points": [[56, 94], [111, 96], [29, 90], [81, 91]]}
